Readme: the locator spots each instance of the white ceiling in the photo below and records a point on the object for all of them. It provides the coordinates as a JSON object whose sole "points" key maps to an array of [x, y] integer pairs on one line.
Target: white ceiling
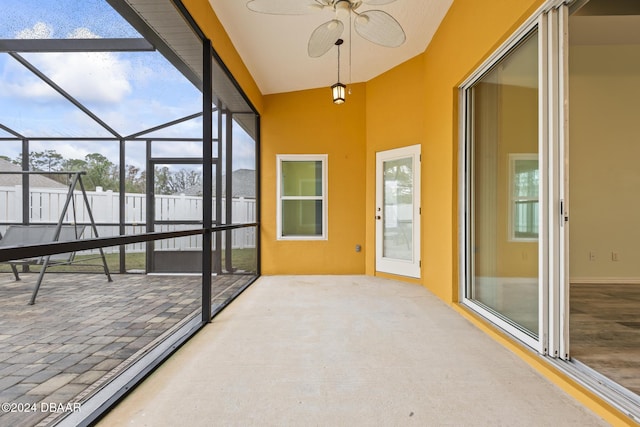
{"points": [[274, 47]]}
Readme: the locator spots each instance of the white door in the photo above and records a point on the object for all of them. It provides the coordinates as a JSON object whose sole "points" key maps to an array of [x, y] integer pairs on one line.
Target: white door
{"points": [[398, 211]]}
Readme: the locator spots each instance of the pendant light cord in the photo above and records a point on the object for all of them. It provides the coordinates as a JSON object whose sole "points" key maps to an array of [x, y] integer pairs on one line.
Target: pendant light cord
{"points": [[350, 44], [338, 43], [338, 63]]}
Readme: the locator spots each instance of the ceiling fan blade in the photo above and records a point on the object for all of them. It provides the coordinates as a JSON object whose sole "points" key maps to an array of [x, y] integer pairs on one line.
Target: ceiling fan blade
{"points": [[324, 37], [377, 2], [285, 7], [380, 28]]}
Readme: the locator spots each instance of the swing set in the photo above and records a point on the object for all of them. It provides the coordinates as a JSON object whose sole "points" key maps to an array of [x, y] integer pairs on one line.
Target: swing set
{"points": [[33, 234]]}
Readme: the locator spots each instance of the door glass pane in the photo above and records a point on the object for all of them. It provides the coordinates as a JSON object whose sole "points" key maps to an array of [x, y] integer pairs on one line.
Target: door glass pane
{"points": [[398, 209], [504, 218]]}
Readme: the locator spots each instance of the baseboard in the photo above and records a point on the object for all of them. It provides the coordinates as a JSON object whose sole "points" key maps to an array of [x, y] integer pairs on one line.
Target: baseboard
{"points": [[606, 280]]}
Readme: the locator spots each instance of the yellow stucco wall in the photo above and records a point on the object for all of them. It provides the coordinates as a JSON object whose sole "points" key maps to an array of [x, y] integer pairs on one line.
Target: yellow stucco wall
{"points": [[413, 103], [417, 103], [395, 118], [308, 122]]}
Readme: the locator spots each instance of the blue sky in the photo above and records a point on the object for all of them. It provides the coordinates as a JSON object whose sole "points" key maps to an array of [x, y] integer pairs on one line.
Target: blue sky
{"points": [[64, 16], [131, 92]]}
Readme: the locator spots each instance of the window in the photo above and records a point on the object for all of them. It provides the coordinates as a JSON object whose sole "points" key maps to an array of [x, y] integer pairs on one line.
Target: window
{"points": [[302, 197], [523, 205]]}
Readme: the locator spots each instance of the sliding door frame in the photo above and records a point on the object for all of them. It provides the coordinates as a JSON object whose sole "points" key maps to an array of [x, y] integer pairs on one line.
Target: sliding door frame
{"points": [[552, 339]]}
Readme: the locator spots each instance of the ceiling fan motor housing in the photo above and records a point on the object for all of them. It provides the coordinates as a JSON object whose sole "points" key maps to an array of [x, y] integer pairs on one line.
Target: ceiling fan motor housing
{"points": [[353, 3], [342, 8], [373, 25]]}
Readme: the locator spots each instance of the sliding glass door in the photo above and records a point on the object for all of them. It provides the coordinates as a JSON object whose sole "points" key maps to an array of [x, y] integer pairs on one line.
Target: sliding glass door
{"points": [[513, 108], [517, 205], [504, 181]]}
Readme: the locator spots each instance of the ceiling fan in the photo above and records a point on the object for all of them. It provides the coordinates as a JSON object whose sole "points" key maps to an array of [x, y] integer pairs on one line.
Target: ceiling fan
{"points": [[374, 25]]}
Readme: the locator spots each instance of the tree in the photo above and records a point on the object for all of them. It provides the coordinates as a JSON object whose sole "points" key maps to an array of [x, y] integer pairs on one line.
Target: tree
{"points": [[185, 179], [134, 180], [75, 165], [44, 161], [101, 172], [163, 180]]}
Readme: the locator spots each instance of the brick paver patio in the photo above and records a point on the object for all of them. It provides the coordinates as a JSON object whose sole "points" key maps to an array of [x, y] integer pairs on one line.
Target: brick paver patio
{"points": [[84, 329]]}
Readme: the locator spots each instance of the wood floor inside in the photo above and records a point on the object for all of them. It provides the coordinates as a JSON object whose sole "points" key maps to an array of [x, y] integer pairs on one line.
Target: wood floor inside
{"points": [[605, 330]]}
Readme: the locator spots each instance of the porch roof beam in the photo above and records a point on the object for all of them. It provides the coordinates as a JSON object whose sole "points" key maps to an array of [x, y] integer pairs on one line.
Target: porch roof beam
{"points": [[75, 45]]}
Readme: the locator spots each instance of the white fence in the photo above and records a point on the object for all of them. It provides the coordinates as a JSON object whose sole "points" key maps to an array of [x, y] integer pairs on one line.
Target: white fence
{"points": [[46, 204]]}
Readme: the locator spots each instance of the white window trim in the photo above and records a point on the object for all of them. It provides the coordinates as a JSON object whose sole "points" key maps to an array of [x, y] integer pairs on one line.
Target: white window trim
{"points": [[324, 158], [513, 157]]}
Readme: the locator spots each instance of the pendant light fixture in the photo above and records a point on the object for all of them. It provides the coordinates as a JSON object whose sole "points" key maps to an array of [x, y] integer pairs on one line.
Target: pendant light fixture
{"points": [[338, 89]]}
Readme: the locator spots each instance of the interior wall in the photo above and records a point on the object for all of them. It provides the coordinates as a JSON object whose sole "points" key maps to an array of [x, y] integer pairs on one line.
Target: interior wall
{"points": [[308, 122], [604, 153], [395, 118], [417, 102]]}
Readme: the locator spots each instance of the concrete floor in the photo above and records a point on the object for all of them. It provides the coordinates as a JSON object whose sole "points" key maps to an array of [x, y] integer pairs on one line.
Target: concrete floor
{"points": [[344, 351]]}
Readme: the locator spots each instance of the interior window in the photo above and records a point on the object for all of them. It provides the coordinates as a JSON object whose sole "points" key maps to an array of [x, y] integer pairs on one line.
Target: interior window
{"points": [[302, 197]]}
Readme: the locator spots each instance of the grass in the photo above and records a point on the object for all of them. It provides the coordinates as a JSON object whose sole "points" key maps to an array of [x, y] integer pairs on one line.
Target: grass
{"points": [[243, 259]]}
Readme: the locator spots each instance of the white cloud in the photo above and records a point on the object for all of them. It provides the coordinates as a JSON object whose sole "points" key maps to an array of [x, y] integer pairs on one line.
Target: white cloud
{"points": [[82, 33], [93, 76], [40, 30], [31, 88]]}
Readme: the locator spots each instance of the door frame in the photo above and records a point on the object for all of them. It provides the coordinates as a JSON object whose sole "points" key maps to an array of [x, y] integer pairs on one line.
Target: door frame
{"points": [[553, 312], [413, 267]]}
